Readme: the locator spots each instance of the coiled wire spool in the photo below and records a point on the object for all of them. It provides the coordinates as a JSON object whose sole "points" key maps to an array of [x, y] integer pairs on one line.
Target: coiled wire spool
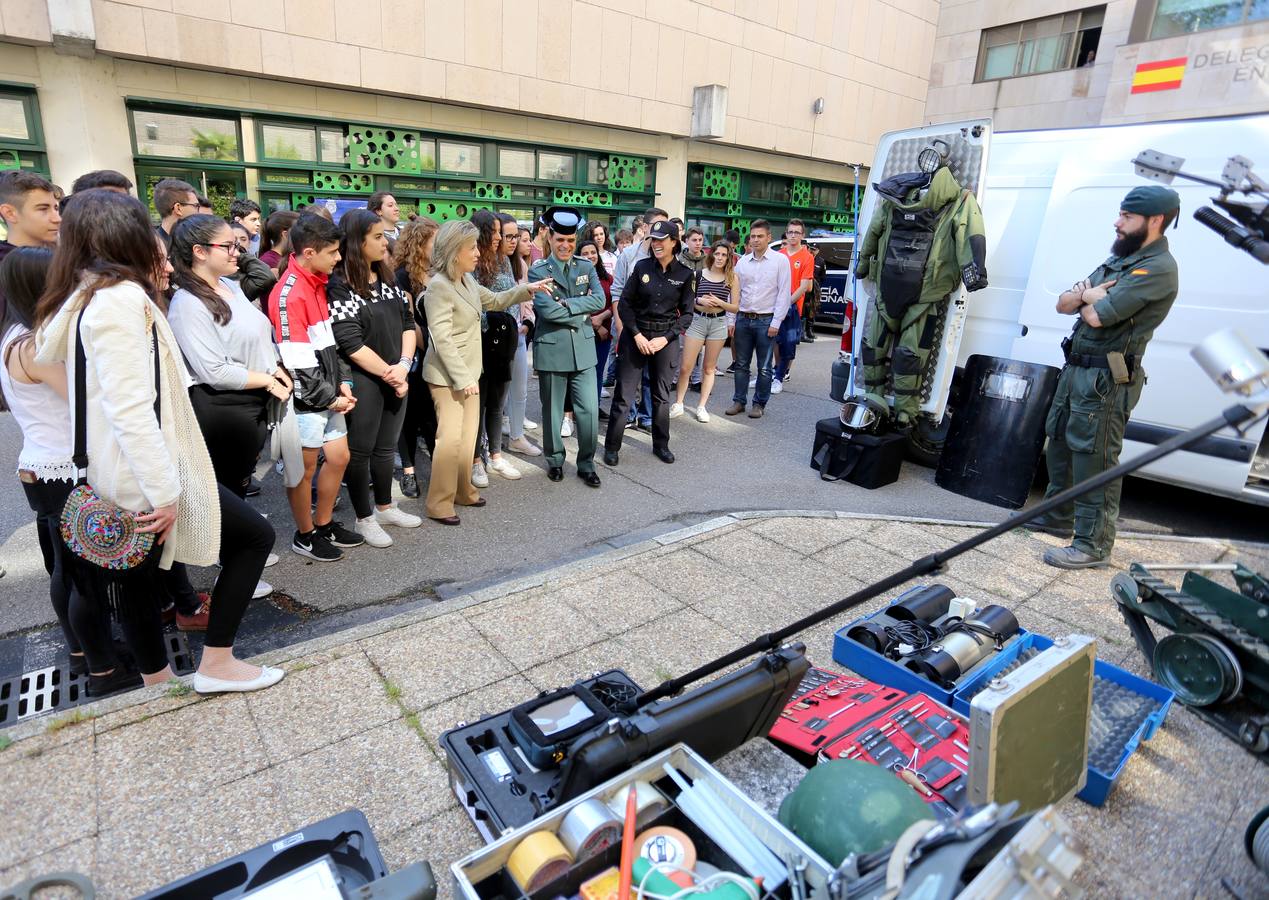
{"points": [[1199, 668], [1256, 840]]}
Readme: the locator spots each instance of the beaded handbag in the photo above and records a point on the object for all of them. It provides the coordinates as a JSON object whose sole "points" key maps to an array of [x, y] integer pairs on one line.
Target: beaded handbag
{"points": [[96, 530]]}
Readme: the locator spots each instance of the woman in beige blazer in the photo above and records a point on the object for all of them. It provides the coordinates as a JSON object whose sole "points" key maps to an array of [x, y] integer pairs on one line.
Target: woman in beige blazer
{"points": [[451, 368]]}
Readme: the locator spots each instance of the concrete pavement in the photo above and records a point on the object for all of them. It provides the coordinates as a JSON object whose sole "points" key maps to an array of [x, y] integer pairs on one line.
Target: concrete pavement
{"points": [[148, 787]]}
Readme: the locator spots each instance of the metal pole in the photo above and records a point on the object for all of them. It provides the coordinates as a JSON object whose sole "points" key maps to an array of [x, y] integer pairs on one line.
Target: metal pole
{"points": [[1234, 416]]}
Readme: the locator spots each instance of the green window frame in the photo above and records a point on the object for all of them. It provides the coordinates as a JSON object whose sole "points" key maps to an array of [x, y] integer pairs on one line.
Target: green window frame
{"points": [[719, 197], [217, 143], [24, 149]]}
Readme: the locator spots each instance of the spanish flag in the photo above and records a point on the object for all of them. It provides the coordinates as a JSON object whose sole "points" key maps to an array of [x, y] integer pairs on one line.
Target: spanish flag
{"points": [[1164, 75]]}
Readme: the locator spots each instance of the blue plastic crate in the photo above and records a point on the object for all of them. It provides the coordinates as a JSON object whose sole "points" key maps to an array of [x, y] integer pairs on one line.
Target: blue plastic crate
{"points": [[875, 667], [1101, 778]]}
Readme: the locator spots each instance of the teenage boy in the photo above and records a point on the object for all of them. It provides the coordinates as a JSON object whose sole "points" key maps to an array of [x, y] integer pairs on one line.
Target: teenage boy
{"points": [[173, 200], [302, 329], [801, 277], [29, 209], [247, 212]]}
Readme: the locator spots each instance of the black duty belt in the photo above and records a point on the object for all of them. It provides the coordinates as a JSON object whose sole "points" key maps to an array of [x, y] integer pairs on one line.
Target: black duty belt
{"points": [[1091, 361], [655, 325], [710, 315]]}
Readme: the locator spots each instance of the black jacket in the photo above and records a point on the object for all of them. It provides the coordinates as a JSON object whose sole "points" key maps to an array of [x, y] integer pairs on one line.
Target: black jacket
{"points": [[657, 302]]}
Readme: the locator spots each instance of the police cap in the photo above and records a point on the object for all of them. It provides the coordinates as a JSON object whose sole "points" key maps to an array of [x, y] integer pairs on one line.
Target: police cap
{"points": [[562, 219], [1151, 200], [663, 229]]}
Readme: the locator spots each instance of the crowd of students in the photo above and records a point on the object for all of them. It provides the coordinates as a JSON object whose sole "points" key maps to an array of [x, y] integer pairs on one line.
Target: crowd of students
{"points": [[329, 351]]}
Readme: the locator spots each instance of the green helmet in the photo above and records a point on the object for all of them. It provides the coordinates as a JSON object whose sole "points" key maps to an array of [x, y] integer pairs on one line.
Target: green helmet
{"points": [[848, 806]]}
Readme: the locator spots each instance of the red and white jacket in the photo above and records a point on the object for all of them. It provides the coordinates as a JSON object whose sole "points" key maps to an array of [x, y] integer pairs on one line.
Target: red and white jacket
{"points": [[302, 329]]}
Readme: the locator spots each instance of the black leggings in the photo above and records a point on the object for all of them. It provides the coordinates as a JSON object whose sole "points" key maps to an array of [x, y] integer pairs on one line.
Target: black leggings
{"points": [[246, 537], [234, 425], [81, 616], [492, 392], [418, 420], [373, 428]]}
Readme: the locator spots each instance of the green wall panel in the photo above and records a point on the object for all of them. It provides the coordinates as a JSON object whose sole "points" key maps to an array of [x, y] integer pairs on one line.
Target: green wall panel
{"points": [[343, 182], [486, 190], [735, 209], [573, 196], [627, 173], [721, 184], [442, 210], [375, 149], [801, 193]]}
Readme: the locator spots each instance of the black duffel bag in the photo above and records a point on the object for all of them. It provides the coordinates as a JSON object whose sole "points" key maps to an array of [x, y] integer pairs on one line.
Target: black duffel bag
{"points": [[868, 460]]}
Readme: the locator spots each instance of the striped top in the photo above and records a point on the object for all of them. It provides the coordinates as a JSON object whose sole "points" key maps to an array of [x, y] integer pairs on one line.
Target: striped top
{"points": [[716, 289]]}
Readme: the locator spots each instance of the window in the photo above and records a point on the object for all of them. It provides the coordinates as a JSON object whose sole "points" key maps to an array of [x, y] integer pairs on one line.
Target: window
{"points": [[774, 190], [186, 136], [555, 166], [332, 146], [288, 142], [513, 163], [459, 157], [13, 120], [825, 195], [1185, 16], [1051, 44]]}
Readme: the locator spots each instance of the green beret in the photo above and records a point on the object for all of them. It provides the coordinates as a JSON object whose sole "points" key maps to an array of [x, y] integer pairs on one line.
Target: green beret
{"points": [[1151, 200]]}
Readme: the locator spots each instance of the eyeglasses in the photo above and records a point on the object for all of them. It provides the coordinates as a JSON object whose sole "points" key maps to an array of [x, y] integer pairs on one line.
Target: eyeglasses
{"points": [[230, 247], [184, 203], [511, 237]]}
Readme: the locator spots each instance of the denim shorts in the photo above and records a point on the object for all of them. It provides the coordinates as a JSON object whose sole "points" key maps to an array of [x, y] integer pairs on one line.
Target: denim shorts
{"points": [[705, 328], [318, 428]]}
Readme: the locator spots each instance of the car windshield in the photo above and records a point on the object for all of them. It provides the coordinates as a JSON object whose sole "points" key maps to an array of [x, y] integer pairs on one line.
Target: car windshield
{"points": [[836, 254]]}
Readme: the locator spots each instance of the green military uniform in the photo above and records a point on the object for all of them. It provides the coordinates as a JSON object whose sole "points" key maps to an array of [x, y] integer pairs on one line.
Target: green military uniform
{"points": [[564, 355], [922, 240], [1090, 409]]}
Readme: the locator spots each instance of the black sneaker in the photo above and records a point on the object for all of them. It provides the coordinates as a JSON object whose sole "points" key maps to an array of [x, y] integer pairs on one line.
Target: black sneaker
{"points": [[118, 680], [315, 546], [410, 484], [253, 488], [339, 536]]}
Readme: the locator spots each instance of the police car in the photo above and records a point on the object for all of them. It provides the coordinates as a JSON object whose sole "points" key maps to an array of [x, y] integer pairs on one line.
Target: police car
{"points": [[835, 249]]}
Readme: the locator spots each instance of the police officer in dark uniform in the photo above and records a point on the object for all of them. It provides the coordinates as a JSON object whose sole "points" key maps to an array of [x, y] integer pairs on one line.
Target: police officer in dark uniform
{"points": [[656, 307], [1119, 307]]}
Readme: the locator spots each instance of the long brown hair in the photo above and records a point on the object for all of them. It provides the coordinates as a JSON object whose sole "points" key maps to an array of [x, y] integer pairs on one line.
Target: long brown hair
{"points": [[412, 252], [188, 233], [356, 224], [107, 238], [729, 267], [488, 243], [518, 266]]}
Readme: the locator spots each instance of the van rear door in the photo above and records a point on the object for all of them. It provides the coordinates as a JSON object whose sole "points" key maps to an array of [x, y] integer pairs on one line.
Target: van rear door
{"points": [[897, 153]]}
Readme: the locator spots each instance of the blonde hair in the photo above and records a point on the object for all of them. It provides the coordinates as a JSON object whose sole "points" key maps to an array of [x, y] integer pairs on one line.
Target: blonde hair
{"points": [[453, 236]]}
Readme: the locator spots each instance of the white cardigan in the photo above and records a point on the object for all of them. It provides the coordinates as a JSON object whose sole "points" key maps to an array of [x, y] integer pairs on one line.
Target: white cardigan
{"points": [[130, 460]]}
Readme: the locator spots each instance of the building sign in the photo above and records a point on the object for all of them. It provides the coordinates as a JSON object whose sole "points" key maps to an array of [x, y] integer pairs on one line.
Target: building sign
{"points": [[291, 179], [1162, 75], [1245, 64]]}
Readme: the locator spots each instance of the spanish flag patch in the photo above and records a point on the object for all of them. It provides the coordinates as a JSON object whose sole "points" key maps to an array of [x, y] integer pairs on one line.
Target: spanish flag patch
{"points": [[1139, 272], [1161, 75]]}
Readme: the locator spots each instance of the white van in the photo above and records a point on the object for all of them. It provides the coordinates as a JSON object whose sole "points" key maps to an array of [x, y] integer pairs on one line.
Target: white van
{"points": [[1049, 201]]}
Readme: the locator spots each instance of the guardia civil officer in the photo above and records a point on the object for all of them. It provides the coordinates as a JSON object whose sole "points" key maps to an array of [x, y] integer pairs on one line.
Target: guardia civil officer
{"points": [[1118, 307], [564, 344], [656, 307]]}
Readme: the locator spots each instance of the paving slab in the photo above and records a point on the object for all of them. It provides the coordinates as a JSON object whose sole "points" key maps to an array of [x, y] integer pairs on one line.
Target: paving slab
{"points": [[158, 787]]}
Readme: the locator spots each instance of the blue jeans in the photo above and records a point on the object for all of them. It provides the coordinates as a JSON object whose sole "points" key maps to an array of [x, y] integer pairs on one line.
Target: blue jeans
{"points": [[787, 338], [602, 351], [750, 339]]}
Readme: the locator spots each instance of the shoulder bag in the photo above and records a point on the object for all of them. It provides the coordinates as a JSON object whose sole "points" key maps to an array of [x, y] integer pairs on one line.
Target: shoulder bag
{"points": [[97, 531]]}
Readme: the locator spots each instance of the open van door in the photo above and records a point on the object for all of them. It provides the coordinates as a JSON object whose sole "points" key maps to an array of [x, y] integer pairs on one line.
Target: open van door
{"points": [[897, 151]]}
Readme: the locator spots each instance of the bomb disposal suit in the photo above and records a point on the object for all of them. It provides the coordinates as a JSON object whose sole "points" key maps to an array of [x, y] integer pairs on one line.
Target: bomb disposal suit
{"points": [[925, 236]]}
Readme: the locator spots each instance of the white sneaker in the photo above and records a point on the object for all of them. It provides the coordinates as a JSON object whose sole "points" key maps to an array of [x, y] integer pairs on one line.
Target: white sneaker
{"points": [[373, 533], [676, 410], [776, 385], [501, 467], [394, 515], [478, 476], [263, 589], [605, 393], [566, 427], [529, 425], [524, 447], [702, 415], [272, 560]]}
